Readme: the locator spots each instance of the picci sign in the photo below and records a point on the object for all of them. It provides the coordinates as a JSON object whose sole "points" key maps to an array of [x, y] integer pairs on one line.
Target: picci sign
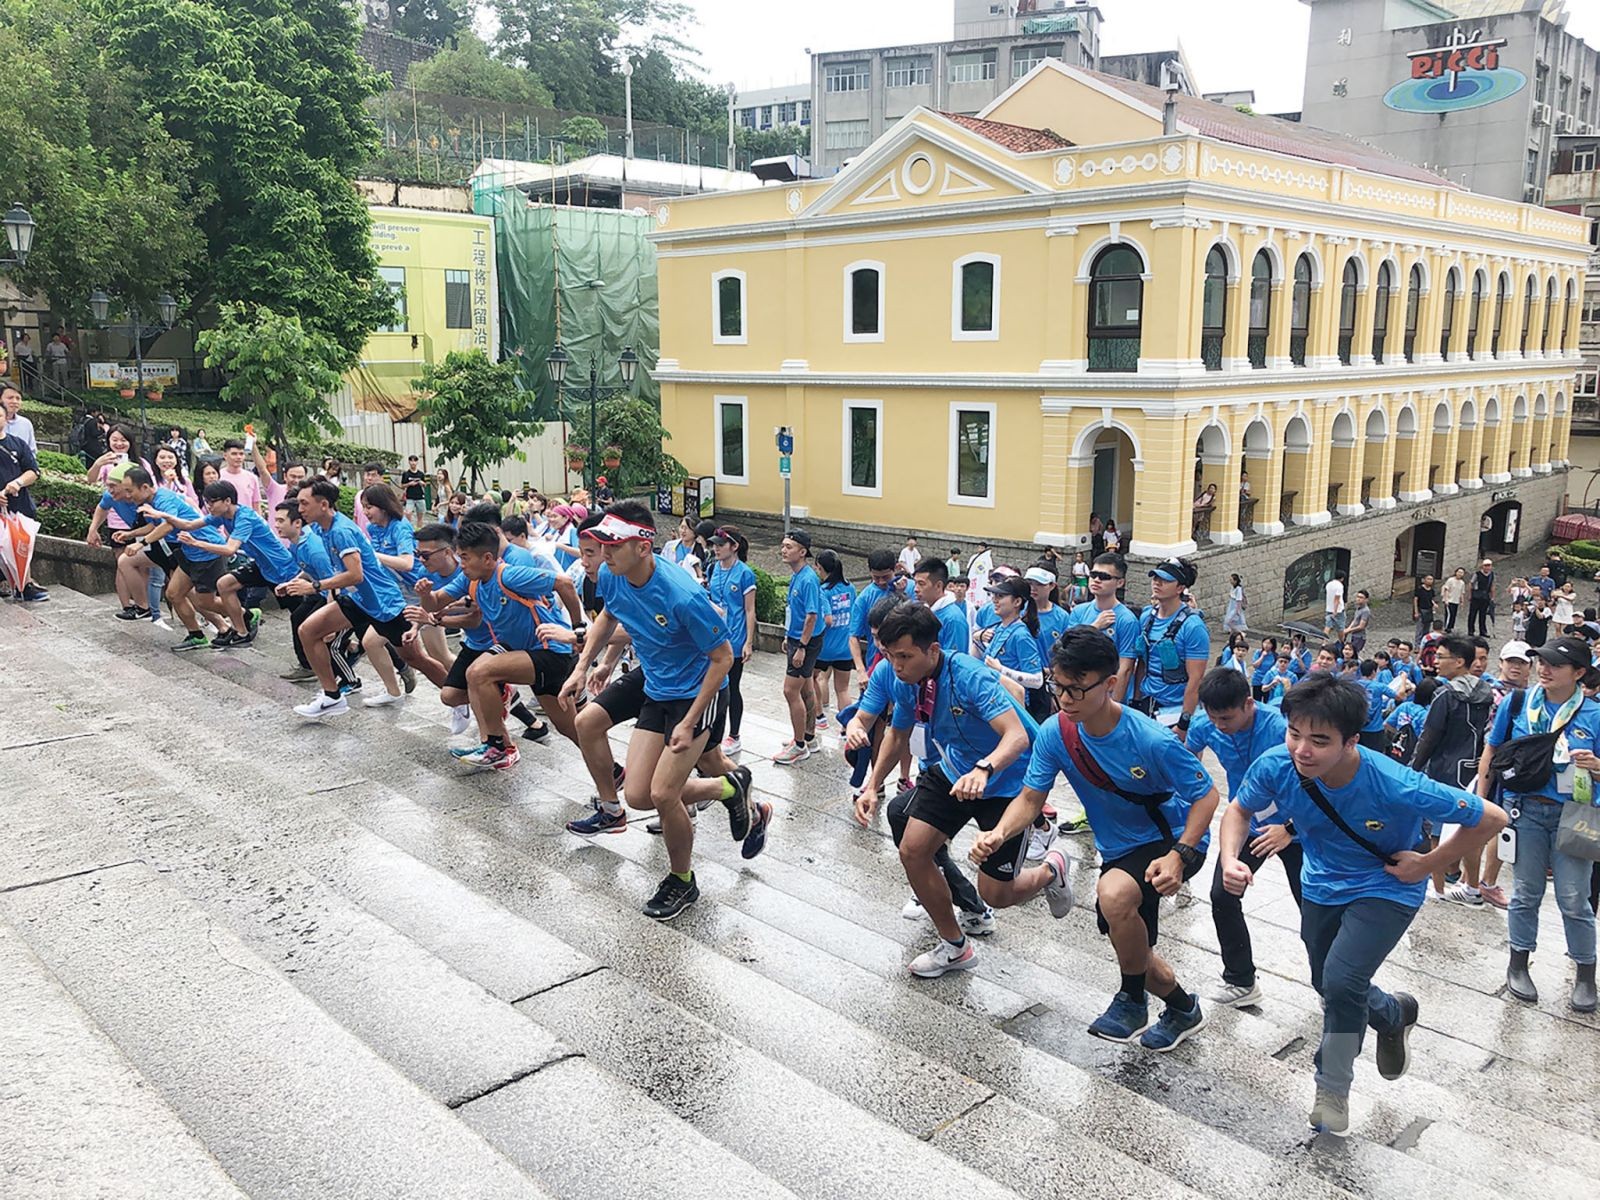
{"points": [[1463, 73]]}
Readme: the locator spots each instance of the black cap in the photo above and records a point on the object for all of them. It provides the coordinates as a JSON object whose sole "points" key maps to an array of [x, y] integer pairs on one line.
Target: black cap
{"points": [[1012, 585], [1175, 570], [800, 538], [1569, 652]]}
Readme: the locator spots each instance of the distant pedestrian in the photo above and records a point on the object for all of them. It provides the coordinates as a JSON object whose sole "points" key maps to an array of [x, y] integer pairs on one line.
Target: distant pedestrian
{"points": [[1235, 619], [1333, 608], [1453, 591], [1481, 598], [1423, 598]]}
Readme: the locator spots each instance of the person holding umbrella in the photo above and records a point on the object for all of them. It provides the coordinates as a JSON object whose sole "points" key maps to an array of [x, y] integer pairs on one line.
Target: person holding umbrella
{"points": [[19, 523]]}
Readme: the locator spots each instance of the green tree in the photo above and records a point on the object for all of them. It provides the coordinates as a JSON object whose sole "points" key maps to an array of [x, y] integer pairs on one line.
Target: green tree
{"points": [[634, 425], [278, 371], [468, 70], [752, 144], [433, 21], [583, 135], [473, 411], [110, 191], [270, 97]]}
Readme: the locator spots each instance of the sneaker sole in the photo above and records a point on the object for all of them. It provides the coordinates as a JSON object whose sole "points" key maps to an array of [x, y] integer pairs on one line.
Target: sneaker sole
{"points": [[1181, 1038], [622, 828], [667, 916], [1121, 1041], [756, 840], [1323, 1129]]}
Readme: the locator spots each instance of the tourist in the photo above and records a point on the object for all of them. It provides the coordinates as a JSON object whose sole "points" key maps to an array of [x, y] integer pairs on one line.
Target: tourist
{"points": [[804, 623], [1480, 599], [1236, 617], [1452, 592], [1423, 597]]}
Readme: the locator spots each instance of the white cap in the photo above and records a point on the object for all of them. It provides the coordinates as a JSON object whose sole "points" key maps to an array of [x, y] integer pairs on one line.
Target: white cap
{"points": [[1516, 650], [1038, 575]]}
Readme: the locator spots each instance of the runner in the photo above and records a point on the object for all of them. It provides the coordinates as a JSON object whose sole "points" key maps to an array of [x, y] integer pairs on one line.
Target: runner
{"points": [[311, 556], [1175, 650], [882, 584], [805, 621], [1357, 814], [838, 599], [1054, 618], [732, 587], [1150, 804], [183, 564], [684, 658], [1238, 730], [1103, 611], [931, 582], [975, 737]]}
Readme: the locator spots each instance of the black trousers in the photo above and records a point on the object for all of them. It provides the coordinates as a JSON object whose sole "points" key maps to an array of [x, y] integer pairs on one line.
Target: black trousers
{"points": [[1451, 611], [962, 890], [1478, 617], [735, 696], [1227, 912]]}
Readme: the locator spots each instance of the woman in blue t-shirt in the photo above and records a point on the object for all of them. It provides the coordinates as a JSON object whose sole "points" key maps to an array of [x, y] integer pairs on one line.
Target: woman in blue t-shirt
{"points": [[1013, 648], [1263, 664], [838, 599], [732, 585], [394, 541]]}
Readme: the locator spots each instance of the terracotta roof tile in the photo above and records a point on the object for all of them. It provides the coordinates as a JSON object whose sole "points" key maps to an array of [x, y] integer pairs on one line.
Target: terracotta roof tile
{"points": [[1017, 138]]}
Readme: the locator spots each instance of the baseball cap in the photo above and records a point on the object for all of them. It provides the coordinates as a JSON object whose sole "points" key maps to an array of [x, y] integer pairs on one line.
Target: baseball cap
{"points": [[1175, 570], [800, 538], [1014, 585], [1516, 650], [1569, 652], [119, 472], [721, 537], [613, 529], [1038, 575]]}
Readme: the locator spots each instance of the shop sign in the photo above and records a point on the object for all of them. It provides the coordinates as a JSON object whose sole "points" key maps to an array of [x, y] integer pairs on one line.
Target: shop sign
{"points": [[1507, 494], [1463, 73], [162, 371]]}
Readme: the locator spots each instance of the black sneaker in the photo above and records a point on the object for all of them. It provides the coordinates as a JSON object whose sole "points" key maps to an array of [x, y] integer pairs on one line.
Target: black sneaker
{"points": [[671, 898], [408, 677], [738, 804], [32, 593], [225, 639], [193, 641], [1394, 1049], [537, 732], [130, 612], [252, 624], [756, 841]]}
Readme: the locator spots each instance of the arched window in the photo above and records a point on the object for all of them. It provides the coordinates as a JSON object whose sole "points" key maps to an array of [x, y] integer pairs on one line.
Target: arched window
{"points": [[863, 302], [1502, 292], [1549, 308], [1413, 308], [1529, 298], [1116, 307], [1214, 309], [1300, 310], [1260, 307], [976, 299], [1347, 310], [1380, 311], [1452, 286], [1473, 314], [727, 303]]}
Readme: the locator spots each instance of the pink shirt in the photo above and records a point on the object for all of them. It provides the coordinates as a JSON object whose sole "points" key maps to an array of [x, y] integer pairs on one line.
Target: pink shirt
{"points": [[275, 493], [245, 484]]}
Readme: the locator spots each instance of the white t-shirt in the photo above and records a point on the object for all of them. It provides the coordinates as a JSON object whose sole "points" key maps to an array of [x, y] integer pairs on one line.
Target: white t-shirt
{"points": [[1335, 601], [909, 559]]}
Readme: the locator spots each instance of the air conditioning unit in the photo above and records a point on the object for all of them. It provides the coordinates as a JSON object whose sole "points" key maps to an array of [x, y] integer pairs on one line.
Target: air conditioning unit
{"points": [[1541, 114], [1566, 124], [1533, 195]]}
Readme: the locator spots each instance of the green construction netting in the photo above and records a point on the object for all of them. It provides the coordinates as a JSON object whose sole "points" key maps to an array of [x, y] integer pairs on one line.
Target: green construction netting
{"points": [[585, 276], [1062, 23]]}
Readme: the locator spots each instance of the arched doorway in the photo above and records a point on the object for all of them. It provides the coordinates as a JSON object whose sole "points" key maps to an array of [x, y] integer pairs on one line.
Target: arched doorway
{"points": [[1401, 482], [1500, 529], [1441, 459], [1210, 475], [1305, 579], [1112, 492], [1343, 486], [1418, 551], [1293, 502], [1254, 473], [1375, 488]]}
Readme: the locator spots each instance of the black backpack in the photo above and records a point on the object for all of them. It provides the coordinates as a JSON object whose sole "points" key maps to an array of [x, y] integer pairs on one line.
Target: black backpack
{"points": [[1526, 764]]}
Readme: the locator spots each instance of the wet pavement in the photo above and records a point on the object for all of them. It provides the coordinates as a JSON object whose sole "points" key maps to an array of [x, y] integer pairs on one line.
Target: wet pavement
{"points": [[245, 956]]}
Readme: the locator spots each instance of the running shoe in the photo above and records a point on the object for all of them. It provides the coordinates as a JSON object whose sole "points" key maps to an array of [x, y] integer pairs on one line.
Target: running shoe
{"points": [[346, 689], [131, 612], [738, 804], [1040, 839], [1076, 825], [1462, 893], [653, 825], [732, 746], [1049, 811], [1494, 894], [225, 639], [671, 898], [299, 675], [408, 676], [193, 641], [252, 623], [501, 758], [944, 958], [904, 786], [460, 719], [913, 910], [537, 732], [1237, 995], [1058, 892], [322, 706], [32, 593], [1394, 1048], [383, 700], [1173, 1027], [977, 924], [1330, 1113], [756, 840], [1124, 1019], [472, 754], [791, 754], [599, 821]]}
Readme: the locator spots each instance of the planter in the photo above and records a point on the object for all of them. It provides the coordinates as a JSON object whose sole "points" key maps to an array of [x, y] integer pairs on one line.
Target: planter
{"points": [[127, 393], [576, 465], [611, 464], [154, 395]]}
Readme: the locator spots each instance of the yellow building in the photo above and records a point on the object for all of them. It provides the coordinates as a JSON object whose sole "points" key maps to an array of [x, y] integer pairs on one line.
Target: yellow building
{"points": [[1085, 300]]}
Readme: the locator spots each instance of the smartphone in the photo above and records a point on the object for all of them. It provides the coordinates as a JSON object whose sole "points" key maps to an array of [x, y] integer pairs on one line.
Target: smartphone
{"points": [[1508, 844]]}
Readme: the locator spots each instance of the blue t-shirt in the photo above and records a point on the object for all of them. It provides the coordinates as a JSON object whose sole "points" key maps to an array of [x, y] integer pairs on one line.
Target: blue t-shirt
{"points": [[953, 635], [1124, 629], [378, 594], [128, 512], [1300, 663], [1410, 670], [1378, 700], [728, 587], [509, 621], [258, 539], [805, 599], [311, 555], [1166, 681], [967, 696], [1582, 732], [878, 696], [1052, 625], [837, 601], [1139, 756], [1264, 663], [168, 501], [1275, 686], [1384, 801], [673, 625], [397, 539], [1408, 713], [565, 546], [866, 600], [986, 617], [1014, 647], [1236, 751]]}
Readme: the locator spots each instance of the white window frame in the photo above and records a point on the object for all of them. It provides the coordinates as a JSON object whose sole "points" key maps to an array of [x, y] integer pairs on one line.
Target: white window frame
{"points": [[912, 70], [845, 486], [849, 301], [717, 405], [833, 134], [958, 334], [1583, 161], [957, 407], [847, 77], [987, 63], [404, 306], [717, 338]]}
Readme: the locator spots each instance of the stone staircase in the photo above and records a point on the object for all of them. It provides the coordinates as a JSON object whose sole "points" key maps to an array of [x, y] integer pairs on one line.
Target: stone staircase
{"points": [[244, 955]]}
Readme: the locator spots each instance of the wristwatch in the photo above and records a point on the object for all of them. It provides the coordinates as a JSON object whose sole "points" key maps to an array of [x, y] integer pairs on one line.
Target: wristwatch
{"points": [[1190, 856], [984, 765], [1184, 722]]}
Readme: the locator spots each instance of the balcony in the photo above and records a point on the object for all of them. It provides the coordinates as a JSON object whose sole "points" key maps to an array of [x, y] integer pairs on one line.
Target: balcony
{"points": [[1116, 354], [1201, 529], [1333, 496], [1297, 349], [1258, 351], [1286, 508], [1211, 351], [1247, 516]]}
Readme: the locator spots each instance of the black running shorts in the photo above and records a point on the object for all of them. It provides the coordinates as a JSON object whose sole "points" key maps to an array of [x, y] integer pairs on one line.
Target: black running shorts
{"points": [[933, 804], [361, 620], [663, 716], [1134, 863]]}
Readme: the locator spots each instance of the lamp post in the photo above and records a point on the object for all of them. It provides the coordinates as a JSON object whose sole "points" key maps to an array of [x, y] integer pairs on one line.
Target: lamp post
{"points": [[19, 236], [557, 364], [166, 314]]}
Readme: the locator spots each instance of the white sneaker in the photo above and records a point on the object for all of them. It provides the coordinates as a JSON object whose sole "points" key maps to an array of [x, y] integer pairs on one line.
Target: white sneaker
{"points": [[1040, 841], [943, 958], [792, 753], [321, 707], [460, 719], [1462, 893], [913, 911], [382, 700], [732, 746], [1237, 996], [1058, 892], [976, 924]]}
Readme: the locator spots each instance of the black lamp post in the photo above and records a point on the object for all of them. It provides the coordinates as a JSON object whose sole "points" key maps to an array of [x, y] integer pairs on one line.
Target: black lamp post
{"points": [[166, 314], [20, 229], [557, 364]]}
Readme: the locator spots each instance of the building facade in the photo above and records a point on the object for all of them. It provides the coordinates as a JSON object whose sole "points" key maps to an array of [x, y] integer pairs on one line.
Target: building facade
{"points": [[1574, 187], [1079, 303], [1477, 89], [774, 108]]}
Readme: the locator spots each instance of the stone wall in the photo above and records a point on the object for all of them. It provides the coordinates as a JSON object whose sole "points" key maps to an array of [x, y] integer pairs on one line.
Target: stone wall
{"points": [[91, 570]]}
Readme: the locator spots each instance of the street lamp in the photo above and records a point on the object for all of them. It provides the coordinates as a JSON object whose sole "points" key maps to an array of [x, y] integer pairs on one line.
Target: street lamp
{"points": [[135, 328], [558, 362], [20, 229]]}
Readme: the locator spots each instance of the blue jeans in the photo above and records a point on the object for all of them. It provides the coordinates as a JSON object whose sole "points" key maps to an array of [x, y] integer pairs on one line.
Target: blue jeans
{"points": [[1536, 854], [158, 584], [1347, 943]]}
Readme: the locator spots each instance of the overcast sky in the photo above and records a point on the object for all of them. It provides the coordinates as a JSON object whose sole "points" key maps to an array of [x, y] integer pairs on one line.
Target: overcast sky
{"points": [[760, 43]]}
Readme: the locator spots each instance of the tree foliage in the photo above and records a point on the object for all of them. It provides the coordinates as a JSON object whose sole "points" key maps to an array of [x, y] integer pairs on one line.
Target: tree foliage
{"points": [[583, 135], [269, 97], [279, 372], [469, 70], [433, 21], [752, 144], [634, 425], [473, 411]]}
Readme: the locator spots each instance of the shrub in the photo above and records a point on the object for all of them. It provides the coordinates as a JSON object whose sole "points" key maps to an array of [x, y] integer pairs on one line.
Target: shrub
{"points": [[64, 505], [50, 420], [772, 597], [60, 464]]}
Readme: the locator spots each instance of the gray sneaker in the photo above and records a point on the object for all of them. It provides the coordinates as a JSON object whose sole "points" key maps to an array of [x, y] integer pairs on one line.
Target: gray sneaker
{"points": [[1236, 995], [299, 675], [1331, 1113]]}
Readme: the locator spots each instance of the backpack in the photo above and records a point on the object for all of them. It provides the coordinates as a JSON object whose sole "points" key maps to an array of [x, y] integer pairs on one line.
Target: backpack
{"points": [[1404, 743], [1527, 764], [499, 572]]}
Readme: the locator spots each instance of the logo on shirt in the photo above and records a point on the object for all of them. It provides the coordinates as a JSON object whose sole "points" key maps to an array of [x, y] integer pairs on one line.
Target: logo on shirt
{"points": [[1580, 733], [1374, 826], [1136, 772], [1461, 803], [661, 620]]}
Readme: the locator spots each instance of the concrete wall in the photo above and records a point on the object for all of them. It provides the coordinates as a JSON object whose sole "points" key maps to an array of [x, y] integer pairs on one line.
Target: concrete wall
{"points": [[91, 570]]}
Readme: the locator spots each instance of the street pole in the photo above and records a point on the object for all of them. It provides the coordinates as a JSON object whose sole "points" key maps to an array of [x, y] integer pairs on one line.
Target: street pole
{"points": [[594, 451], [627, 93], [732, 92], [785, 506], [138, 358]]}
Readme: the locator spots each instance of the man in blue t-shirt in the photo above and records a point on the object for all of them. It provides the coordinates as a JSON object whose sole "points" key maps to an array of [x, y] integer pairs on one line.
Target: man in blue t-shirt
{"points": [[882, 585], [1149, 803], [311, 560], [1174, 649], [1358, 815], [974, 738], [684, 660], [1103, 611], [1238, 731], [805, 621], [1379, 701], [158, 538], [931, 583]]}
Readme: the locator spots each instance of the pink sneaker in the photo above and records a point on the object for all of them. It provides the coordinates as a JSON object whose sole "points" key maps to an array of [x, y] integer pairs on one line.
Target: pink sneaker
{"points": [[792, 753], [1495, 895], [501, 758]]}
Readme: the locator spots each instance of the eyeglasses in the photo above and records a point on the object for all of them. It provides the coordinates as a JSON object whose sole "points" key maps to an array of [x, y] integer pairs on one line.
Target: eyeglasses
{"points": [[1104, 577], [1075, 694], [425, 555]]}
